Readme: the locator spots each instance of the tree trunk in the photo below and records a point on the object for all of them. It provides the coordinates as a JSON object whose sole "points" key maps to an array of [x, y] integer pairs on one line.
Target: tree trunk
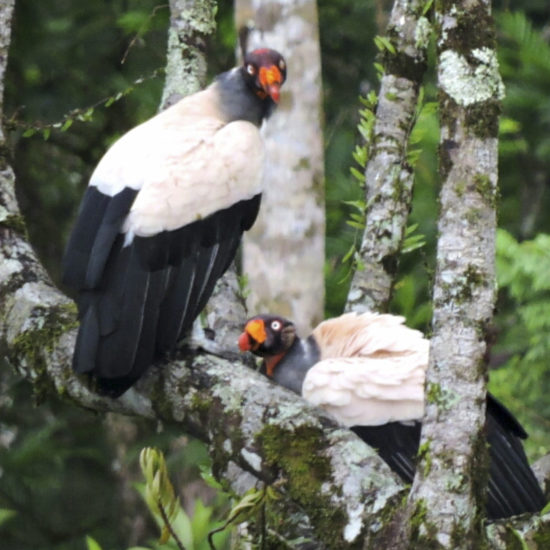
{"points": [[388, 176], [190, 24], [444, 491], [283, 254]]}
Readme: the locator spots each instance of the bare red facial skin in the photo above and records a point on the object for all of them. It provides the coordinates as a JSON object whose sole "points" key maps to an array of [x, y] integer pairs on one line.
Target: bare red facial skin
{"points": [[244, 342], [270, 80]]}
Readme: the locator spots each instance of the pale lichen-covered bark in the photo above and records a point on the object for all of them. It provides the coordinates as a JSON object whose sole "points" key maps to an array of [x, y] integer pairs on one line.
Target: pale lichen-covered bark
{"points": [[452, 445], [191, 21], [388, 177], [6, 13], [283, 254]]}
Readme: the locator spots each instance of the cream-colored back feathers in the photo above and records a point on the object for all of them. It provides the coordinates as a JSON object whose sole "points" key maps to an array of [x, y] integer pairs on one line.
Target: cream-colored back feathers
{"points": [[167, 155], [371, 371]]}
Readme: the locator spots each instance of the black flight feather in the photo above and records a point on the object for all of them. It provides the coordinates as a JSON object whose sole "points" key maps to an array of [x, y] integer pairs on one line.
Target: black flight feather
{"points": [[137, 301], [98, 224], [396, 442], [512, 488]]}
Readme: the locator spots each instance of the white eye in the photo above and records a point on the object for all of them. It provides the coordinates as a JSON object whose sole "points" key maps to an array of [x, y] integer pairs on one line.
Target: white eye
{"points": [[282, 65], [276, 325], [250, 69]]}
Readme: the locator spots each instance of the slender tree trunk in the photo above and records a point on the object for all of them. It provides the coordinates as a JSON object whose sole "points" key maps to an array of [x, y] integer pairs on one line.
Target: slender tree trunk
{"points": [[6, 13], [388, 176], [283, 254], [445, 493], [191, 22]]}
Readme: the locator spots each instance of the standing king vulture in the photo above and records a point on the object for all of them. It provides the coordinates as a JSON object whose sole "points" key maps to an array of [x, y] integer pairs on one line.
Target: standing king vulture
{"points": [[162, 218], [368, 371]]}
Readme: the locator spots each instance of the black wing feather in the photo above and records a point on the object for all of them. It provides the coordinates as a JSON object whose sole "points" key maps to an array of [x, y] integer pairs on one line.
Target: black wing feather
{"points": [[137, 301], [396, 442], [97, 226], [512, 488]]}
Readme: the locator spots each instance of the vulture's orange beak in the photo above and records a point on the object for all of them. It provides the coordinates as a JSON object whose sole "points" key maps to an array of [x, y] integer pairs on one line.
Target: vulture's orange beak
{"points": [[253, 336], [271, 81]]}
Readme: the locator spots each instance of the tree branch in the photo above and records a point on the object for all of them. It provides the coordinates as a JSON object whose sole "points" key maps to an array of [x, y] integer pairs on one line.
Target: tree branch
{"points": [[190, 23], [244, 418], [388, 177]]}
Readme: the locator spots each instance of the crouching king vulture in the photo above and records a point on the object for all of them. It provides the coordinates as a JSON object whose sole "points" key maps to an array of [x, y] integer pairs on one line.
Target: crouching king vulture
{"points": [[162, 218], [368, 370]]}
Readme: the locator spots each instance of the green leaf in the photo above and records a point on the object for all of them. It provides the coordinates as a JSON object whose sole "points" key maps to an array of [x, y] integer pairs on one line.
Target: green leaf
{"points": [[413, 155], [206, 471], [427, 7], [411, 229], [383, 43], [379, 68], [354, 224], [6, 514], [67, 124], [91, 544], [360, 155], [359, 205], [349, 253], [508, 126], [29, 132], [134, 21], [357, 175]]}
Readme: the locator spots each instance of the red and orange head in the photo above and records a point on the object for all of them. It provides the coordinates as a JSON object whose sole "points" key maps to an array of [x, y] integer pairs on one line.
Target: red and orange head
{"points": [[265, 71]]}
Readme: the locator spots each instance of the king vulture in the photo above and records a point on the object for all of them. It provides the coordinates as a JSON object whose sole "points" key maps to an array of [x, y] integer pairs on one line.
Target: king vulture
{"points": [[162, 218], [368, 370]]}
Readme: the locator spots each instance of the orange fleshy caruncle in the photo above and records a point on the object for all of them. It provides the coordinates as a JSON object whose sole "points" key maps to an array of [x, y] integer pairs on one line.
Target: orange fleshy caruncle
{"points": [[253, 336], [271, 80]]}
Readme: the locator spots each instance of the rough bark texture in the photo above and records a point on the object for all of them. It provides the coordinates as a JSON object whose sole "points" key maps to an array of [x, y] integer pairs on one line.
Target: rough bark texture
{"points": [[190, 23], [6, 13], [448, 485], [283, 254], [388, 177], [339, 482]]}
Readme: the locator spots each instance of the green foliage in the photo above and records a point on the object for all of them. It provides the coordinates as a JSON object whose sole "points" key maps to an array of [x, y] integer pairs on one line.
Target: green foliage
{"points": [[524, 57], [56, 484], [161, 500], [92, 544], [178, 529], [384, 43], [524, 339]]}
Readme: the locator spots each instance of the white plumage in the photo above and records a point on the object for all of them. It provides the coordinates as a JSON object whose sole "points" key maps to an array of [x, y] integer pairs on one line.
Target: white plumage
{"points": [[164, 160], [372, 369]]}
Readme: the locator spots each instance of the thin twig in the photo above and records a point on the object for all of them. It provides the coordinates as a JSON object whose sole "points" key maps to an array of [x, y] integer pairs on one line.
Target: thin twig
{"points": [[169, 525]]}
